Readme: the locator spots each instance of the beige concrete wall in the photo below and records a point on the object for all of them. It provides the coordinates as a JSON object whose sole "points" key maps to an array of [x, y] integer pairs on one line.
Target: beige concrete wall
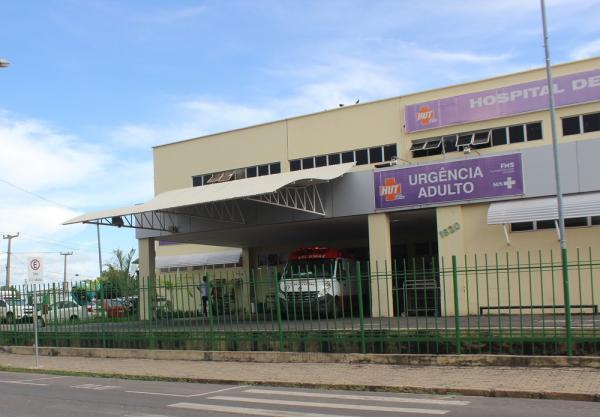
{"points": [[352, 127], [521, 285], [175, 164]]}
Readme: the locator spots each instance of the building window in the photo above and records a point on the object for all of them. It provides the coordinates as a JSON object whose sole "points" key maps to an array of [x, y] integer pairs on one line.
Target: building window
{"points": [[375, 155], [333, 159], [251, 172], [390, 152], [571, 126], [534, 131], [585, 123], [481, 139], [553, 224], [263, 170], [275, 168], [236, 174], [591, 122], [516, 134], [347, 157], [321, 161], [308, 163], [362, 157]]}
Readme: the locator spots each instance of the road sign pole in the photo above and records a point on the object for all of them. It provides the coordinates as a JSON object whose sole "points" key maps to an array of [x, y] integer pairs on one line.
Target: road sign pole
{"points": [[35, 326]]}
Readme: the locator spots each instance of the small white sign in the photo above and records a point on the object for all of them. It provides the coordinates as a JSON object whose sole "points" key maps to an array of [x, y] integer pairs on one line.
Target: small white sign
{"points": [[35, 269]]}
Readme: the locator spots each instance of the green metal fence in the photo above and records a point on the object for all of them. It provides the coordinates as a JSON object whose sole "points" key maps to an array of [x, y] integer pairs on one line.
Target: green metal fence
{"points": [[501, 303]]}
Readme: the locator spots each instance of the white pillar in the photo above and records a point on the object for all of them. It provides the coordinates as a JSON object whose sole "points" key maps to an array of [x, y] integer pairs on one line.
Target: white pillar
{"points": [[147, 267], [380, 257]]}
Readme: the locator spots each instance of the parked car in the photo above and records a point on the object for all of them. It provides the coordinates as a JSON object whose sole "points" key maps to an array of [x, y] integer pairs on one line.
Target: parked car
{"points": [[115, 308], [63, 311], [12, 310]]}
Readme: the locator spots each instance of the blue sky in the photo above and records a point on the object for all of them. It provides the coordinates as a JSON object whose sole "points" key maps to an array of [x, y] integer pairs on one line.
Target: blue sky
{"points": [[94, 84]]}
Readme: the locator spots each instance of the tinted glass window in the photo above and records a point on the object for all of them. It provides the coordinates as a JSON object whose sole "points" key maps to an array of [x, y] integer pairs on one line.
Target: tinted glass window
{"points": [[205, 178], [418, 154], [591, 122], [375, 155], [534, 131], [545, 224], [334, 159], [516, 134], [348, 156], [576, 222], [389, 151], [435, 151], [520, 227], [251, 172], [449, 143], [362, 157], [263, 170], [571, 126], [499, 137], [320, 161], [275, 168], [2, 303], [196, 181], [595, 220], [308, 163], [295, 165], [464, 140]]}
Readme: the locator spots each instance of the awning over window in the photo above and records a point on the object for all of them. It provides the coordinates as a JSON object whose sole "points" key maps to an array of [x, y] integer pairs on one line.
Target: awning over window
{"points": [[226, 257], [533, 209], [283, 189]]}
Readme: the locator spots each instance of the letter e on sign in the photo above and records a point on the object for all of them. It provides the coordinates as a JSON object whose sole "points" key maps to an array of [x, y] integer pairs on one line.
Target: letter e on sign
{"points": [[35, 269]]}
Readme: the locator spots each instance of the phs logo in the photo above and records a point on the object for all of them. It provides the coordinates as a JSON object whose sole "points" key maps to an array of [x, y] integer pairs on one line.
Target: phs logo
{"points": [[390, 190], [425, 115]]}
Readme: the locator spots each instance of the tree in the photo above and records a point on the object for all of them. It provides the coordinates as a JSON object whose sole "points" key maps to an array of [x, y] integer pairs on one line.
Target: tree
{"points": [[117, 279]]}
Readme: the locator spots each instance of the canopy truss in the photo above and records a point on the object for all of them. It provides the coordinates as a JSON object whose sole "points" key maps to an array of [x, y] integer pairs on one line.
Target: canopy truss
{"points": [[306, 199]]}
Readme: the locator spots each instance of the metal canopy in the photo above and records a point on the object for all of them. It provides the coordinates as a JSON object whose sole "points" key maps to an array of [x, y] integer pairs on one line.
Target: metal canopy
{"points": [[295, 190]]}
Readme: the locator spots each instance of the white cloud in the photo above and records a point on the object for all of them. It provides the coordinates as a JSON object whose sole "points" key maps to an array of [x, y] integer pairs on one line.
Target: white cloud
{"points": [[62, 168], [587, 50]]}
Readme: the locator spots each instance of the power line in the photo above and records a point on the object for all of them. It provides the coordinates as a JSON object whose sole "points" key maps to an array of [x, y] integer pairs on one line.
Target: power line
{"points": [[41, 197]]}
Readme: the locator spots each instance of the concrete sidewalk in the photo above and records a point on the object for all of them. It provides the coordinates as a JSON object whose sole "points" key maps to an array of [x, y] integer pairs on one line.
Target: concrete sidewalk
{"points": [[567, 383]]}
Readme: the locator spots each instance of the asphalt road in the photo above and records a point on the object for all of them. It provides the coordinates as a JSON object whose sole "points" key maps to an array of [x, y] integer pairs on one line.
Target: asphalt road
{"points": [[39, 395]]}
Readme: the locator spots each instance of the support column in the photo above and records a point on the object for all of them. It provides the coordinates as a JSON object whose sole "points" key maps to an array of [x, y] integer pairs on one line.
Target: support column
{"points": [[451, 244], [248, 281], [147, 267], [380, 257]]}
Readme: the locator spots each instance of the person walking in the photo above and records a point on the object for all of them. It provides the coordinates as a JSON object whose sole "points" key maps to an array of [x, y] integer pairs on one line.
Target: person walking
{"points": [[203, 287]]}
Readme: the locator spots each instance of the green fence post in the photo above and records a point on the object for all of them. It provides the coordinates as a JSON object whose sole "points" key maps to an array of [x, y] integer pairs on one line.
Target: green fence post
{"points": [[210, 315], [361, 314], [456, 305], [278, 307], [567, 297]]}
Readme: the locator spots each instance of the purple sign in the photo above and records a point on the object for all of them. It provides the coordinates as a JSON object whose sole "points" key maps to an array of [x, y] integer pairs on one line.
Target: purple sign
{"points": [[515, 99], [463, 180]]}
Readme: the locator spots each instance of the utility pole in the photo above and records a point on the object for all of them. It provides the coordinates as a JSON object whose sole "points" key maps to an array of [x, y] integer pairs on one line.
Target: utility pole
{"points": [[65, 284], [559, 196], [10, 238]]}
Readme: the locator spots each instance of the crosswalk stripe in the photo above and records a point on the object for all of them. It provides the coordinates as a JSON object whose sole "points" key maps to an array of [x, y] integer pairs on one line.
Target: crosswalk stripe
{"points": [[330, 405], [250, 411], [358, 397]]}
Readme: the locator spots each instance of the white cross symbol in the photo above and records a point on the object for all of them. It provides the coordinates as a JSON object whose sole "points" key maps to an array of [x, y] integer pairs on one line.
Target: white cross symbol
{"points": [[509, 182]]}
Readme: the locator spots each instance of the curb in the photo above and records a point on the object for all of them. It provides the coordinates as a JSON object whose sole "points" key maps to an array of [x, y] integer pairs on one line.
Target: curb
{"points": [[494, 393], [310, 357]]}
